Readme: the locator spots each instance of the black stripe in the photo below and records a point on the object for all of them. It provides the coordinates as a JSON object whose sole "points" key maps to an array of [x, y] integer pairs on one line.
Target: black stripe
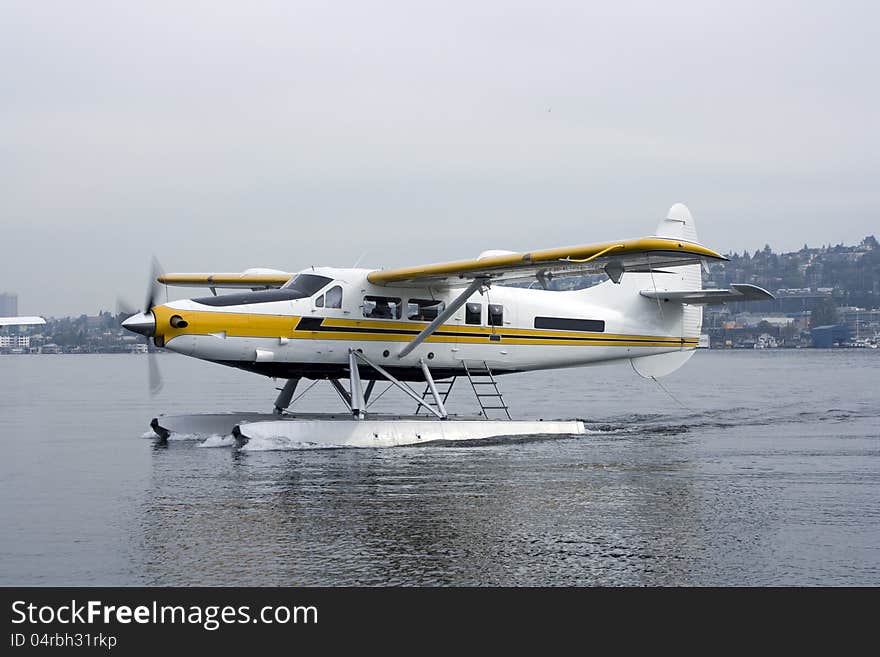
{"points": [[309, 324], [316, 324], [565, 324]]}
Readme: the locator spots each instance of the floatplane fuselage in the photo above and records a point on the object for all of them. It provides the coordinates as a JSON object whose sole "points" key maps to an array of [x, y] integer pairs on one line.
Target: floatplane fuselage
{"points": [[307, 328]]}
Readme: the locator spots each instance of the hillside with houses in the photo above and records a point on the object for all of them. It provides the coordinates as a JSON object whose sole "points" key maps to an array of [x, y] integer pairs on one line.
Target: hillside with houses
{"points": [[827, 296]]}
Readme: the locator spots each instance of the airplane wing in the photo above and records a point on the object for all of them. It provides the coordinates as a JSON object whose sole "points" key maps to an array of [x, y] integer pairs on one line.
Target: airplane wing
{"points": [[249, 279], [737, 292], [635, 255], [21, 321]]}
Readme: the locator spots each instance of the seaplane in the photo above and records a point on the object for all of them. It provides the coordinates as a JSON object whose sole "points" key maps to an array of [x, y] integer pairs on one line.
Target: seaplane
{"points": [[431, 325]]}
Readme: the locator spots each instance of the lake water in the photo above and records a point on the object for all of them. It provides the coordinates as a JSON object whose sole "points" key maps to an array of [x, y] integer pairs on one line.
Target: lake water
{"points": [[751, 467]]}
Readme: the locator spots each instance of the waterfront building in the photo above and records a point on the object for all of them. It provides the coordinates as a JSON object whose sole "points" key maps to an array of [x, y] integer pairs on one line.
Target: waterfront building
{"points": [[15, 341], [828, 336]]}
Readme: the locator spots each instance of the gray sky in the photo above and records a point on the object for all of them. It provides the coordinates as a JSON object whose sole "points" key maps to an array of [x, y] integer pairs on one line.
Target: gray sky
{"points": [[224, 135]]}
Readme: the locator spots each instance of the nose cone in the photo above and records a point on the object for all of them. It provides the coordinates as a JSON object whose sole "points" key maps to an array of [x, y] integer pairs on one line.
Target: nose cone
{"points": [[143, 323]]}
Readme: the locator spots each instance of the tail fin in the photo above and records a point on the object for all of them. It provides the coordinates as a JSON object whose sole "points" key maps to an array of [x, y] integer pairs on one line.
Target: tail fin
{"points": [[679, 225]]}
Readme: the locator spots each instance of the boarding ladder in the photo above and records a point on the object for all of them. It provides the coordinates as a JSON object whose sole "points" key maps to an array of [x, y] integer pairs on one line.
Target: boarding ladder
{"points": [[481, 378], [486, 389]]}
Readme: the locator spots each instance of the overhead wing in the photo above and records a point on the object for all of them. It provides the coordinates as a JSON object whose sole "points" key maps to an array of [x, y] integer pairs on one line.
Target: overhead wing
{"points": [[21, 321], [737, 292], [249, 279], [636, 255]]}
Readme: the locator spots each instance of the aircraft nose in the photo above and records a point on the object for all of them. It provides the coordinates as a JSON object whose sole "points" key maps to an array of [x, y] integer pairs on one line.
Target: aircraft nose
{"points": [[143, 323]]}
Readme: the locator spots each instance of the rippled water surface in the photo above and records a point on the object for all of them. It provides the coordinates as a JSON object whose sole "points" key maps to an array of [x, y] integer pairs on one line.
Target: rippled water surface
{"points": [[749, 468]]}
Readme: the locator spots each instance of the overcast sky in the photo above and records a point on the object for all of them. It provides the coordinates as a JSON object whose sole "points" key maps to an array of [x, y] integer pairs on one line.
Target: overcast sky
{"points": [[225, 135]]}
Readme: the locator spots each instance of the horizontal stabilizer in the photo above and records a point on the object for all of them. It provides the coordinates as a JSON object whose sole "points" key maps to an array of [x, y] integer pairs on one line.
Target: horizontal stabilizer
{"points": [[737, 292]]}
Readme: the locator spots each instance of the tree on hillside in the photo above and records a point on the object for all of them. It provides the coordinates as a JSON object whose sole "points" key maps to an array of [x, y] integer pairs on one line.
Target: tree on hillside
{"points": [[766, 327], [823, 314]]}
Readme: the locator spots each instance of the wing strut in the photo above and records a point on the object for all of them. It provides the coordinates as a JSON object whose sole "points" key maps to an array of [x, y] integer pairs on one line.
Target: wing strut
{"points": [[450, 310]]}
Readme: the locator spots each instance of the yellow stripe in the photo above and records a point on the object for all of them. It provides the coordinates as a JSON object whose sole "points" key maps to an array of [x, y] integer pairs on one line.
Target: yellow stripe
{"points": [[483, 331], [283, 326], [445, 339]]}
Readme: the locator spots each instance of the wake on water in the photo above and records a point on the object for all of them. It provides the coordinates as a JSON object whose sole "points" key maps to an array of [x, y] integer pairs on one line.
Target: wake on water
{"points": [[646, 424]]}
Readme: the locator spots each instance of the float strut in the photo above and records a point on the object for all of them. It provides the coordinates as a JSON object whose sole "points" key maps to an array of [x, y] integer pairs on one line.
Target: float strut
{"points": [[430, 379], [354, 356], [282, 401], [354, 387], [343, 393]]}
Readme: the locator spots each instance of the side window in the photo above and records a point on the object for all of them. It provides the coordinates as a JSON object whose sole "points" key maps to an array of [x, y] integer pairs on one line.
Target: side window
{"points": [[319, 302], [496, 314], [382, 307], [472, 313], [424, 310], [334, 297]]}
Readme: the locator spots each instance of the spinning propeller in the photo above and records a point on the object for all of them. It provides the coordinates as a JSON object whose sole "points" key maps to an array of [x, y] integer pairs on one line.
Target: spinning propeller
{"points": [[144, 322]]}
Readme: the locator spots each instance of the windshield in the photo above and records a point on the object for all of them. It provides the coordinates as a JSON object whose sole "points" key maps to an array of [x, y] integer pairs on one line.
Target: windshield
{"points": [[307, 284]]}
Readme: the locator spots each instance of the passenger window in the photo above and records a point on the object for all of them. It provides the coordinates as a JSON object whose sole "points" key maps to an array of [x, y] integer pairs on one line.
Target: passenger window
{"points": [[496, 314], [382, 307], [473, 313], [424, 310], [334, 297], [319, 302]]}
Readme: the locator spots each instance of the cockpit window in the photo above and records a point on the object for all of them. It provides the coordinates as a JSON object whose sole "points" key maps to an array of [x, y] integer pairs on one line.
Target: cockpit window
{"points": [[306, 284], [334, 297]]}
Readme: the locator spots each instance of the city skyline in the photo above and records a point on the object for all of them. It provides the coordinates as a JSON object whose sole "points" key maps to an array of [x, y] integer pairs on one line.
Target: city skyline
{"points": [[718, 276]]}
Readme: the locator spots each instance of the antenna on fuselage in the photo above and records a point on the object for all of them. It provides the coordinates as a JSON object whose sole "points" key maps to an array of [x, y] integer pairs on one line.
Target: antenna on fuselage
{"points": [[358, 261]]}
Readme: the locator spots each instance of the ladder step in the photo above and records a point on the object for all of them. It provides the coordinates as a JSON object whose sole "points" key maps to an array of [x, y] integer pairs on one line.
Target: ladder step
{"points": [[485, 373]]}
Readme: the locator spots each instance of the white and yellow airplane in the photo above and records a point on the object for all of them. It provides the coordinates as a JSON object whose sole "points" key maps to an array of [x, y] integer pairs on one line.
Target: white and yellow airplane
{"points": [[440, 321]]}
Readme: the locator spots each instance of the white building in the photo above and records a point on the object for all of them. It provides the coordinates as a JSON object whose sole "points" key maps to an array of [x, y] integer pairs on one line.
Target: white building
{"points": [[13, 341]]}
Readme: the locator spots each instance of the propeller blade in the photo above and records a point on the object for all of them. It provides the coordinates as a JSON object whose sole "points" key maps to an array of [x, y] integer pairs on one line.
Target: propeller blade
{"points": [[155, 374], [123, 307], [153, 285], [144, 323]]}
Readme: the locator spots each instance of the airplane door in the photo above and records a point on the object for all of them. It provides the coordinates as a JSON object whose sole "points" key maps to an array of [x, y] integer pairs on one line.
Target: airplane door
{"points": [[335, 301]]}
